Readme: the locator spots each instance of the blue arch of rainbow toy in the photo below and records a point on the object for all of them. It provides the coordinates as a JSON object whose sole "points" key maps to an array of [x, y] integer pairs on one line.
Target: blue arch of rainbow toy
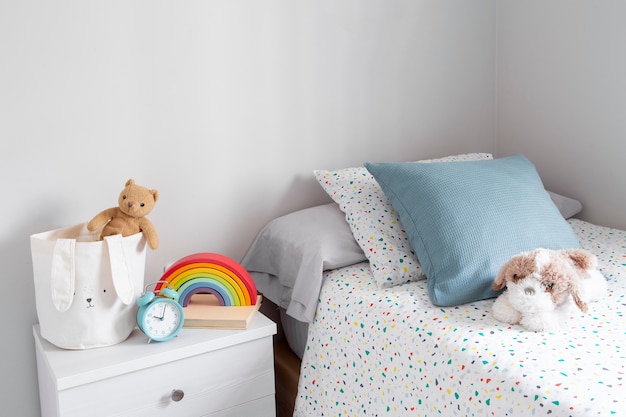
{"points": [[225, 295]]}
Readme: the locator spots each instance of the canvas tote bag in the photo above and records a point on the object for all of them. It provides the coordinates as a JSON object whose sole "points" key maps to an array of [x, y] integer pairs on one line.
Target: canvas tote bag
{"points": [[85, 289]]}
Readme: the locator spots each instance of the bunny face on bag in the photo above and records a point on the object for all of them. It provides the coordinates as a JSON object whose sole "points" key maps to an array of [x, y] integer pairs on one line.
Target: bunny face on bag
{"points": [[89, 297]]}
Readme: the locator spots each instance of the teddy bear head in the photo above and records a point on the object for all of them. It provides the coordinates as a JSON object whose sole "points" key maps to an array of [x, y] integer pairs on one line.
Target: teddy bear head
{"points": [[137, 201], [558, 272]]}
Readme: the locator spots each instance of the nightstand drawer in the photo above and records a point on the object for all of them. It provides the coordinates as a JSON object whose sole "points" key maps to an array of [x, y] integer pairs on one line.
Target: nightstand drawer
{"points": [[210, 382], [218, 372]]}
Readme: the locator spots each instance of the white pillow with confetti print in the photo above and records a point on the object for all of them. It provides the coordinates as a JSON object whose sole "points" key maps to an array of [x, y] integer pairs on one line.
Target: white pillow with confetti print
{"points": [[375, 224]]}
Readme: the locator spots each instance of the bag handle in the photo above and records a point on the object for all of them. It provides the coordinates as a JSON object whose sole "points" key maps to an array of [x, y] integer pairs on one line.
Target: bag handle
{"points": [[63, 274], [120, 268]]}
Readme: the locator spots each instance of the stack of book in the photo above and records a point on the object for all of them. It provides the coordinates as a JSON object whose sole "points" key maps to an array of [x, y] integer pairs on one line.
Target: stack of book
{"points": [[204, 311]]}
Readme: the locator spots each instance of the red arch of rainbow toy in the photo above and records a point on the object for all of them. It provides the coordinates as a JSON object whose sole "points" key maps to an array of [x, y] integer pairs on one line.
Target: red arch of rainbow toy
{"points": [[210, 273]]}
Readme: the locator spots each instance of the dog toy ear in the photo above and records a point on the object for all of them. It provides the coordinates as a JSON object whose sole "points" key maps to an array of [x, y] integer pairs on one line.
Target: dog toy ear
{"points": [[500, 280], [579, 302], [581, 258]]}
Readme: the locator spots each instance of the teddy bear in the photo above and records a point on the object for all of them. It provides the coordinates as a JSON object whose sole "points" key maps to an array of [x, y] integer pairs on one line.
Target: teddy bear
{"points": [[134, 203], [544, 285]]}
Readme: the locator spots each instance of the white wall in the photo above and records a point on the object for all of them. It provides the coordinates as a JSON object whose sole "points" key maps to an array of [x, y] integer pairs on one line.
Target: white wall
{"points": [[562, 97], [225, 107]]}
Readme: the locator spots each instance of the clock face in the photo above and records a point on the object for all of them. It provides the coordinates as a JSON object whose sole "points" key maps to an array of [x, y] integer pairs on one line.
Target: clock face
{"points": [[162, 319]]}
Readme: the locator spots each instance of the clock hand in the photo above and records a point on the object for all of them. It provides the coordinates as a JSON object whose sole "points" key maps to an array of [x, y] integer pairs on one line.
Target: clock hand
{"points": [[163, 312]]}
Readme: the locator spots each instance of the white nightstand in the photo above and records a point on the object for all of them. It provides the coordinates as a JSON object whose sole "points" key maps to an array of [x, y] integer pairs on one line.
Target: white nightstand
{"points": [[217, 372]]}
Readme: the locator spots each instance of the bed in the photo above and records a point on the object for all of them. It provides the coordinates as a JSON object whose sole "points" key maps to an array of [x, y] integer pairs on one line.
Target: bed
{"points": [[373, 333]]}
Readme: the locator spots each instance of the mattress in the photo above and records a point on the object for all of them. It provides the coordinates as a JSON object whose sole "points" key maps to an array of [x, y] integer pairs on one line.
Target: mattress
{"points": [[373, 351]]}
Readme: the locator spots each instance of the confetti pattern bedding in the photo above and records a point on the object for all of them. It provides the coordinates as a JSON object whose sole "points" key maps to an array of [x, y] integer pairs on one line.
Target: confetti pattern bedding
{"points": [[390, 352]]}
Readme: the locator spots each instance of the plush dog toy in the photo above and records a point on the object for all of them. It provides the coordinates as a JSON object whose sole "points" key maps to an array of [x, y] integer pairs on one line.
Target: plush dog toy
{"points": [[543, 285], [134, 203]]}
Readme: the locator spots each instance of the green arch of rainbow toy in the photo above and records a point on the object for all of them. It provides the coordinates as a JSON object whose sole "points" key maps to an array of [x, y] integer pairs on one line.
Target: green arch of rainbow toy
{"points": [[210, 273]]}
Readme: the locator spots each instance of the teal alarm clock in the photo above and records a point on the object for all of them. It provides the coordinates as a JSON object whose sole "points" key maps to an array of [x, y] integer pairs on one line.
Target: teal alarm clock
{"points": [[160, 316]]}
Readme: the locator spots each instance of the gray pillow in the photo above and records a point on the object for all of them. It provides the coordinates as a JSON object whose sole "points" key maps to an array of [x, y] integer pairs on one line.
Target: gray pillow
{"points": [[567, 206], [288, 257]]}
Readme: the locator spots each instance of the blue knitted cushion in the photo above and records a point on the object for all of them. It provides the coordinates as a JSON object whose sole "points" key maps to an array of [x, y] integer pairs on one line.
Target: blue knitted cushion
{"points": [[466, 219]]}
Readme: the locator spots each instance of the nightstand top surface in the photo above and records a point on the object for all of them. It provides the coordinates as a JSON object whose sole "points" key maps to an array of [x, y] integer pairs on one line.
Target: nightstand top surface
{"points": [[76, 367]]}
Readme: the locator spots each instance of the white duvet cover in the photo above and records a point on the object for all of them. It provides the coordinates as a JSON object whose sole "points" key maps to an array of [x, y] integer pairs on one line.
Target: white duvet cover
{"points": [[391, 352]]}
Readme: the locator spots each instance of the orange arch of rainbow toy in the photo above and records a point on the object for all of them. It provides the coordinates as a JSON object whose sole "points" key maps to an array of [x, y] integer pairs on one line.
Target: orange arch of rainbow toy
{"points": [[210, 273]]}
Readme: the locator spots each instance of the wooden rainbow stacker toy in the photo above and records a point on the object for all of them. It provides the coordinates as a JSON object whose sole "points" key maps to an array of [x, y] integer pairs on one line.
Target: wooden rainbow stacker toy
{"points": [[224, 294]]}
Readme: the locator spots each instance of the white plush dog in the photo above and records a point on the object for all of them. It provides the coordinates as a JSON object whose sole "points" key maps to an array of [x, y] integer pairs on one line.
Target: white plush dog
{"points": [[543, 285]]}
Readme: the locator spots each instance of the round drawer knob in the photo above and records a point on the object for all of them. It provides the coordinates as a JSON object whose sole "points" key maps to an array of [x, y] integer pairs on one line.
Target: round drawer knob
{"points": [[177, 395]]}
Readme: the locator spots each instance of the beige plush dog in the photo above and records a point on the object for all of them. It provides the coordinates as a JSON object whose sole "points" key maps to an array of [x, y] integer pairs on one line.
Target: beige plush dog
{"points": [[543, 285]]}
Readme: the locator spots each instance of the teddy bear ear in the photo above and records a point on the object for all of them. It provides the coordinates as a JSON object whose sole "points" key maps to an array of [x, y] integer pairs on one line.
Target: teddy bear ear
{"points": [[130, 182], [155, 195]]}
